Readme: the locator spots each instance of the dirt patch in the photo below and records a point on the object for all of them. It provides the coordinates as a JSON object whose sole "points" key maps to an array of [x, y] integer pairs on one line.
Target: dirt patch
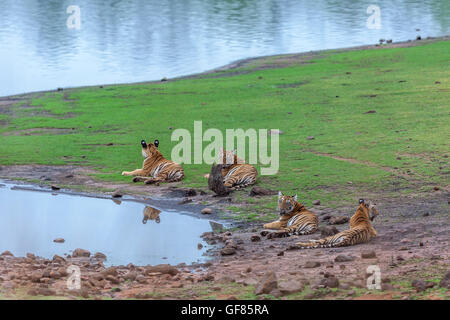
{"points": [[39, 131]]}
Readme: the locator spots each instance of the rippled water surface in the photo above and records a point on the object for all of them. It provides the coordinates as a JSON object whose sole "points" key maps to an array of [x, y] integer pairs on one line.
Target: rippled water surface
{"points": [[136, 40], [125, 231]]}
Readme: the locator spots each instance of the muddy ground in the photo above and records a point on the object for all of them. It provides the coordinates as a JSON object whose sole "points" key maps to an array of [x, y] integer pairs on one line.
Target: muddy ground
{"points": [[411, 250]]}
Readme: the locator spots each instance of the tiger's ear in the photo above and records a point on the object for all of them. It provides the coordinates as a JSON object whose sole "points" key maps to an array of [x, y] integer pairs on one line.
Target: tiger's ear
{"points": [[280, 194], [295, 198], [361, 201], [156, 143]]}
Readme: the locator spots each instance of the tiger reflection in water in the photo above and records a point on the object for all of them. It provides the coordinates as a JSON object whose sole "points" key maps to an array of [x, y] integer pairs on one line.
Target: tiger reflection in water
{"points": [[151, 214]]}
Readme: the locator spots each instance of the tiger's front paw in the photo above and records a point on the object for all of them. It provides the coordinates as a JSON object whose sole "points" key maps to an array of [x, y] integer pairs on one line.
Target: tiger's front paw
{"points": [[125, 173]]}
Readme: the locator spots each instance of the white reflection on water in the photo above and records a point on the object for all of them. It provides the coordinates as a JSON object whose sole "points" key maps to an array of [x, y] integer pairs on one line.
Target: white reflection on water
{"points": [[30, 221]]}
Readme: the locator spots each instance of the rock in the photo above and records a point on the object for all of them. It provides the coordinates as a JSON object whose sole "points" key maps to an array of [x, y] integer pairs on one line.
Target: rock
{"points": [[216, 227], [36, 276], [55, 187], [206, 211], [312, 264], [199, 246], [131, 275], [215, 181], [59, 259], [162, 268], [267, 284], [59, 240], [227, 251], [344, 258], [112, 279], [419, 285], [310, 138], [117, 194], [338, 220], [368, 254], [436, 188], [99, 255], [81, 253], [111, 271], [445, 281], [316, 202], [258, 191], [255, 238], [31, 256], [184, 201], [141, 279], [328, 231], [45, 292], [330, 282], [387, 287], [55, 274], [62, 271], [290, 287]]}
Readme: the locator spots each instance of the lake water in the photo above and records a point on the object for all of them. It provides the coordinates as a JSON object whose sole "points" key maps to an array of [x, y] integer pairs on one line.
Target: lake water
{"points": [[126, 231], [138, 40]]}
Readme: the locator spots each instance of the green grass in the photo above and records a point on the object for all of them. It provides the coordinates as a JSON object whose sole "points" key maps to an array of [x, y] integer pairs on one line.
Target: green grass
{"points": [[328, 100]]}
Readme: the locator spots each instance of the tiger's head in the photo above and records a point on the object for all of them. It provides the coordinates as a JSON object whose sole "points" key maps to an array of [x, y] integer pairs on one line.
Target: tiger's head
{"points": [[368, 208], [286, 204], [151, 149], [228, 158], [151, 213]]}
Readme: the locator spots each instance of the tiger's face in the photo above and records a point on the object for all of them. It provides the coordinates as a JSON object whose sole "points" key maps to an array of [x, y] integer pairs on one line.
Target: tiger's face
{"points": [[286, 203], [151, 149], [369, 208]]}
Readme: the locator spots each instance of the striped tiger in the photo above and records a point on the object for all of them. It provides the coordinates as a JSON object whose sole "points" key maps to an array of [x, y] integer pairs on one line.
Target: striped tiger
{"points": [[294, 217], [360, 231], [235, 172], [156, 168], [151, 213]]}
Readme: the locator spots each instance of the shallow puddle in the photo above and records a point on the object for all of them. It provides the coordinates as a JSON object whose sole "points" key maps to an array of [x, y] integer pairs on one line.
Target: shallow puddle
{"points": [[125, 231]]}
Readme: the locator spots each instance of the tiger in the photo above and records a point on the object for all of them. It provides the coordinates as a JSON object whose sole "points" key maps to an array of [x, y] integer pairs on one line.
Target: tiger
{"points": [[294, 217], [235, 172], [151, 214], [155, 168], [360, 231]]}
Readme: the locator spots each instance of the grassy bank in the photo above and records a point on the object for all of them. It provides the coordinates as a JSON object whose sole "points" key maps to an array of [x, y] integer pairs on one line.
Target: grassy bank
{"points": [[380, 121]]}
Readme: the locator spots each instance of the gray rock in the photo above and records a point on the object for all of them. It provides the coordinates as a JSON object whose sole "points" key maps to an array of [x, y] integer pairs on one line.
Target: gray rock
{"points": [[267, 284]]}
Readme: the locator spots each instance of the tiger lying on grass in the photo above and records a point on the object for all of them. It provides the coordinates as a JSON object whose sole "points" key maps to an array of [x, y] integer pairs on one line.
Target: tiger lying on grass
{"points": [[156, 168], [151, 213], [294, 218], [360, 230], [235, 172]]}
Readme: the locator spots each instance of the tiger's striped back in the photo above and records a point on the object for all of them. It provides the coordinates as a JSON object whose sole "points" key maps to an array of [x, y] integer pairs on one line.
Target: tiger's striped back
{"points": [[360, 231]]}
